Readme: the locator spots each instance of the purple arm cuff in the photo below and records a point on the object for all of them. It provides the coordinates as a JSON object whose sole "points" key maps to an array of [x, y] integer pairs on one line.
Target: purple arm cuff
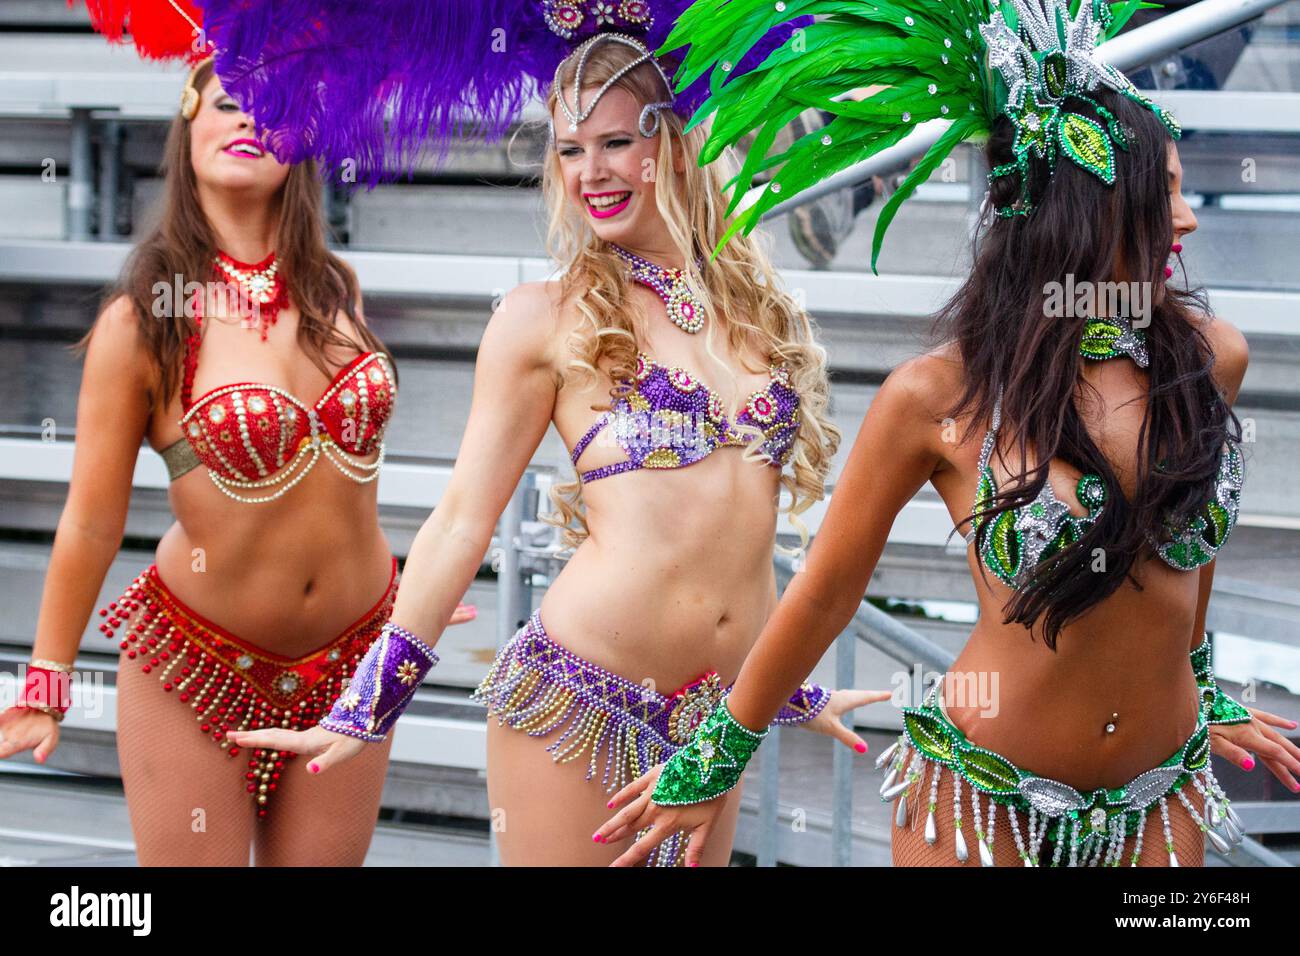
{"points": [[382, 685], [808, 701]]}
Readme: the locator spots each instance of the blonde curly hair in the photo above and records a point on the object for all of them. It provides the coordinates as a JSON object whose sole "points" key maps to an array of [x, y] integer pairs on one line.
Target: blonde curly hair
{"points": [[740, 281]]}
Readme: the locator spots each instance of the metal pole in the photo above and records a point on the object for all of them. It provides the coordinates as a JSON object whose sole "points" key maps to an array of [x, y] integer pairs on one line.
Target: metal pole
{"points": [[768, 798], [110, 166], [81, 187], [509, 570], [842, 762], [508, 593]]}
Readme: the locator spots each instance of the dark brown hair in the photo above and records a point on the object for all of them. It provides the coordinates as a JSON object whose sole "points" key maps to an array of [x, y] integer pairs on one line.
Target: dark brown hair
{"points": [[181, 243], [999, 322]]}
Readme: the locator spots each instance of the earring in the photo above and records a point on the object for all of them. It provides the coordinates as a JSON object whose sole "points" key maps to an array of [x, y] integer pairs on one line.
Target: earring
{"points": [[189, 94]]}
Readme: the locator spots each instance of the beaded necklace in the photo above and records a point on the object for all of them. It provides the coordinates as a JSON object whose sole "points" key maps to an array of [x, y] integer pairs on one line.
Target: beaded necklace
{"points": [[258, 284], [670, 285]]}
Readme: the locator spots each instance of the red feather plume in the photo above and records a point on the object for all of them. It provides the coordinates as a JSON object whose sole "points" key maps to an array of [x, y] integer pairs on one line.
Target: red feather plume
{"points": [[156, 27]]}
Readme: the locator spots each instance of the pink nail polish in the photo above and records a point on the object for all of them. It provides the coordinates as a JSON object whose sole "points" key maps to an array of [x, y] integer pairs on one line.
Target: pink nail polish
{"points": [[597, 838], [1294, 725], [610, 805], [860, 748], [313, 768], [695, 863], [1248, 763]]}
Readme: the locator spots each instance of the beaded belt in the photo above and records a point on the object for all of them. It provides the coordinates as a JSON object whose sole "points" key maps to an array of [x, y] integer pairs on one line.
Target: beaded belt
{"points": [[231, 684], [537, 686], [1094, 827]]}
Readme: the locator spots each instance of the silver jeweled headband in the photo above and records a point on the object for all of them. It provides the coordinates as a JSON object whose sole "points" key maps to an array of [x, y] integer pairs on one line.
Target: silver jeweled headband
{"points": [[576, 114]]}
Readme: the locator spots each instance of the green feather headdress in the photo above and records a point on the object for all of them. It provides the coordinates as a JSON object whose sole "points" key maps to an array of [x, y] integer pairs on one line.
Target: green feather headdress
{"points": [[966, 61]]}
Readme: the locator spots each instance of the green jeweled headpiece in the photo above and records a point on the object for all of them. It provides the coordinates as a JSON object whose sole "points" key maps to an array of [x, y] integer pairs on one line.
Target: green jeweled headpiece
{"points": [[967, 61], [1044, 54]]}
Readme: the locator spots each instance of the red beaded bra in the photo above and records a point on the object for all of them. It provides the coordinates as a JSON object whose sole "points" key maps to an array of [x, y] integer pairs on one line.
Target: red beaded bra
{"points": [[257, 441]]}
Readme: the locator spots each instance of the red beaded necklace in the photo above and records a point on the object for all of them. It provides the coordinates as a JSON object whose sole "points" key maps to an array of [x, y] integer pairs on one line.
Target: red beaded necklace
{"points": [[259, 286]]}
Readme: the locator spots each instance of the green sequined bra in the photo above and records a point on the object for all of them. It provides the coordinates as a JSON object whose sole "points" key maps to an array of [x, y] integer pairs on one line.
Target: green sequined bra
{"points": [[1020, 538]]}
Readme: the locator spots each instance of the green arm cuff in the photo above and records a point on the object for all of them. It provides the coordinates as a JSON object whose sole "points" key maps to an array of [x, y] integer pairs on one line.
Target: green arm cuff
{"points": [[711, 764], [1219, 707]]}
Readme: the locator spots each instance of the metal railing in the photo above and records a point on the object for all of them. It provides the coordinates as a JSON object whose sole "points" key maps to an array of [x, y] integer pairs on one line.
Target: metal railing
{"points": [[1126, 51]]}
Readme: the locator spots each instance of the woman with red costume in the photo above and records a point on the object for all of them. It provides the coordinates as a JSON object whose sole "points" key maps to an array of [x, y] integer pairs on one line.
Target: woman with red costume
{"points": [[275, 576]]}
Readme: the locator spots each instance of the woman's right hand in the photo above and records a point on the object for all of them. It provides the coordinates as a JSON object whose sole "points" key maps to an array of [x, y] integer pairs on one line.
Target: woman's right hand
{"points": [[325, 747], [24, 728], [697, 819]]}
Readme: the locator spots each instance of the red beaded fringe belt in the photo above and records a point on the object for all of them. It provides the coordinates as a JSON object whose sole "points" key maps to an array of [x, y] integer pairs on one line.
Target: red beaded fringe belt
{"points": [[231, 684], [539, 687]]}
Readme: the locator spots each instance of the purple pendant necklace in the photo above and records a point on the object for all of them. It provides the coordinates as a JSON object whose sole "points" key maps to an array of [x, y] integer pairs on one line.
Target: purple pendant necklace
{"points": [[670, 285]]}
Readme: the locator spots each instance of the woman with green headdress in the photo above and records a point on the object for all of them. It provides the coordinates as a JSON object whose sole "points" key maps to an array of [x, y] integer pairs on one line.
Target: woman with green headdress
{"points": [[1084, 442]]}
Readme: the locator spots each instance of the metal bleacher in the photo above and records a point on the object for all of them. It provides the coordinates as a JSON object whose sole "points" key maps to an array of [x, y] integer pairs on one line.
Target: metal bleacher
{"points": [[81, 126]]}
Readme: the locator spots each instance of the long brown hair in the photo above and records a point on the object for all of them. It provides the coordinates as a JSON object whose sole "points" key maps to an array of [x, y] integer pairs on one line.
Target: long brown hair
{"points": [[740, 291], [181, 244], [1007, 339]]}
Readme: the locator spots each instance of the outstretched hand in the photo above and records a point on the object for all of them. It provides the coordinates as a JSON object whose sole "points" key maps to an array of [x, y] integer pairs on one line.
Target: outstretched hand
{"points": [[697, 819], [1237, 743], [638, 812], [840, 703], [326, 748], [25, 728]]}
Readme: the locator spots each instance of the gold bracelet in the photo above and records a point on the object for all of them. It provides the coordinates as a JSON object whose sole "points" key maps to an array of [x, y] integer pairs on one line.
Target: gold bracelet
{"points": [[51, 666], [45, 709]]}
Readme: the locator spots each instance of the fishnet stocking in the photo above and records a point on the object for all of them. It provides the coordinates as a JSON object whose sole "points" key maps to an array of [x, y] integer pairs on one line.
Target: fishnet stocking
{"points": [[189, 805]]}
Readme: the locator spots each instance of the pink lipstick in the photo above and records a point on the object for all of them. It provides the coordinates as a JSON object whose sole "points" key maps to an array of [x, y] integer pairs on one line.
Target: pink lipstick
{"points": [[245, 149], [605, 210]]}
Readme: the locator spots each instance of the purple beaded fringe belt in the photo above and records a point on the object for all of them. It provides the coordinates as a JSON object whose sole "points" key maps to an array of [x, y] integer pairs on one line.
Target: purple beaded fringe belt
{"points": [[537, 686]]}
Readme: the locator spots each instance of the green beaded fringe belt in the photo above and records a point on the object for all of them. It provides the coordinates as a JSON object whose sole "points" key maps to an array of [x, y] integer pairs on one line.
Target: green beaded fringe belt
{"points": [[1094, 828]]}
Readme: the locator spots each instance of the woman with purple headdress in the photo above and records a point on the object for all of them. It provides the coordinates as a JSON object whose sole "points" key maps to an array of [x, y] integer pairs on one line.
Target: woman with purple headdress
{"points": [[235, 344], [683, 389]]}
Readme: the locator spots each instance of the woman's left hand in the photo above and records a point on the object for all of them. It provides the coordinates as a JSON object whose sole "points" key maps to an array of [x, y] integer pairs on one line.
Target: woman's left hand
{"points": [[841, 702], [463, 613], [1237, 743]]}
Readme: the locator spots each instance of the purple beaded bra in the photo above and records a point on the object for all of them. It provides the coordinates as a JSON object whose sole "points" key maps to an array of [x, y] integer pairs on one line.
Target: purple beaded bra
{"points": [[670, 419]]}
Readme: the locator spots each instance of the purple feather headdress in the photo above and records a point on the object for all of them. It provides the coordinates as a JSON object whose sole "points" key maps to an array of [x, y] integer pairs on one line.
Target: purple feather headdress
{"points": [[367, 88]]}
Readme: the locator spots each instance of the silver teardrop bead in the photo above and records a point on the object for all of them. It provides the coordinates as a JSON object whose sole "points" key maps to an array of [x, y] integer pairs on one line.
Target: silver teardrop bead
{"points": [[931, 831], [895, 790], [1219, 842], [900, 815], [1173, 858], [886, 754], [960, 841], [889, 780], [1216, 812], [986, 855], [1232, 815]]}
